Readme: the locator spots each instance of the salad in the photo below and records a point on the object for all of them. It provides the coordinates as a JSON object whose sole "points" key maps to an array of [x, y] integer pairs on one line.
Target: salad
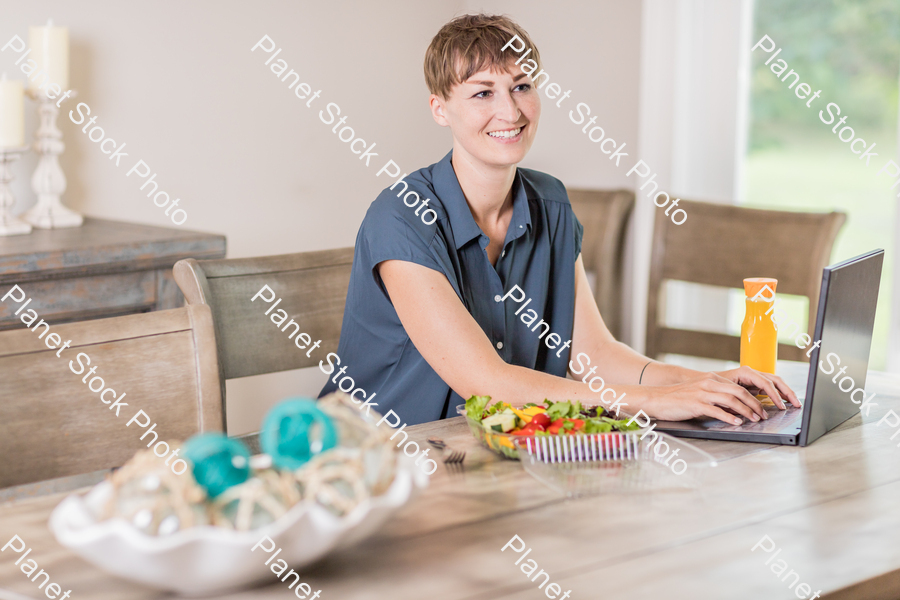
{"points": [[551, 418]]}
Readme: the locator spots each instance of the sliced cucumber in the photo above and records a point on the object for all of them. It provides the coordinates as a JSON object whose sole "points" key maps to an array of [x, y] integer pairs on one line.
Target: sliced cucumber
{"points": [[501, 422]]}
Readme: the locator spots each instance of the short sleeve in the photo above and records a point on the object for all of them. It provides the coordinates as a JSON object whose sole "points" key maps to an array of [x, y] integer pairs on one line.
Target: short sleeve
{"points": [[398, 242], [579, 233], [388, 234]]}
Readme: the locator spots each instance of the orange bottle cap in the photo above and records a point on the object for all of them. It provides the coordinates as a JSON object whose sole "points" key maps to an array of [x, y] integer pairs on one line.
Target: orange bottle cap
{"points": [[764, 287]]}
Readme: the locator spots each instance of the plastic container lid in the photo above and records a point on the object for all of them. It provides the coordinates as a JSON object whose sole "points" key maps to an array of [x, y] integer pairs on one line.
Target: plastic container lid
{"points": [[755, 285]]}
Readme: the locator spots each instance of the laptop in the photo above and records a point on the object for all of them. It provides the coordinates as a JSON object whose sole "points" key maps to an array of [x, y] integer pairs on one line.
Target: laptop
{"points": [[844, 323]]}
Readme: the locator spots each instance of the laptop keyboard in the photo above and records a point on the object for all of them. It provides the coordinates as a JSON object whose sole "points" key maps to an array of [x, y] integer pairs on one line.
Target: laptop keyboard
{"points": [[778, 420]]}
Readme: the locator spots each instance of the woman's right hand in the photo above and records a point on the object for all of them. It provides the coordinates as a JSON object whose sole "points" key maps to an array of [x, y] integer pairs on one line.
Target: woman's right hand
{"points": [[707, 395]]}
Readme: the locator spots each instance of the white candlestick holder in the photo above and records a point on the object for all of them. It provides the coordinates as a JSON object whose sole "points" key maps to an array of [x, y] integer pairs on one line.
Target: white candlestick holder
{"points": [[9, 224], [49, 181]]}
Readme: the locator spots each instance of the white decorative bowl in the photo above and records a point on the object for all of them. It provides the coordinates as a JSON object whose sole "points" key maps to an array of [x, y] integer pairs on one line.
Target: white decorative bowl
{"points": [[207, 560]]}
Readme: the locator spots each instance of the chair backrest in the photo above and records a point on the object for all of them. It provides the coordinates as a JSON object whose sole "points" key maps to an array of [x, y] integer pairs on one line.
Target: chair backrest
{"points": [[722, 244], [53, 425], [604, 215], [312, 287]]}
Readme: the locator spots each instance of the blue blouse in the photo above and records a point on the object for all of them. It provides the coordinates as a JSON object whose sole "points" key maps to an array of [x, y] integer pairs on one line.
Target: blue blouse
{"points": [[542, 244]]}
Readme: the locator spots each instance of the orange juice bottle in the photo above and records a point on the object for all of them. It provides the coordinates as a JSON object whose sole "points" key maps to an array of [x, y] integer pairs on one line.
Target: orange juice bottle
{"points": [[759, 334]]}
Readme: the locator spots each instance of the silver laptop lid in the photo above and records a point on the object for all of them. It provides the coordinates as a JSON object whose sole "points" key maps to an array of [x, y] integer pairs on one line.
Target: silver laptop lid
{"points": [[844, 324]]}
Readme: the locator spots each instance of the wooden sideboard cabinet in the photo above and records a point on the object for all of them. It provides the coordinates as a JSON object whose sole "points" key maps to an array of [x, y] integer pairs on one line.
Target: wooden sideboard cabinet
{"points": [[101, 269]]}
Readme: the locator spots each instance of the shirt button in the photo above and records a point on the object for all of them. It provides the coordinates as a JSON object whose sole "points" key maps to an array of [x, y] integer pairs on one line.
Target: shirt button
{"points": [[503, 253], [497, 298], [499, 345]]}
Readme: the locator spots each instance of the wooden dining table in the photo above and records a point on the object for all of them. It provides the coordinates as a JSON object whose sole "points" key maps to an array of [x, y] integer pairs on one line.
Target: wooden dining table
{"points": [[831, 509]]}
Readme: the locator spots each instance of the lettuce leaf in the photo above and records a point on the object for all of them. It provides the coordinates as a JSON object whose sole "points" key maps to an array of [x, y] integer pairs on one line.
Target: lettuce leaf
{"points": [[606, 425], [495, 408], [570, 409], [622, 424], [475, 407], [596, 426]]}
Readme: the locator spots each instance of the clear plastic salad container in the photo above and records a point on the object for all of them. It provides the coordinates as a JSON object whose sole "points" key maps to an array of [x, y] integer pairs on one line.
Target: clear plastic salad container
{"points": [[498, 442], [619, 462]]}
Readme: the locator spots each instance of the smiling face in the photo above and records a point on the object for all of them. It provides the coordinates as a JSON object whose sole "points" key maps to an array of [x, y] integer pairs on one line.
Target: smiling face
{"points": [[493, 117]]}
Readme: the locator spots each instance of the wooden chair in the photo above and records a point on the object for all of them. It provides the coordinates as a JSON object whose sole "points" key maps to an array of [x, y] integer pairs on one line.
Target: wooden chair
{"points": [[53, 425], [313, 289], [604, 215], [721, 245]]}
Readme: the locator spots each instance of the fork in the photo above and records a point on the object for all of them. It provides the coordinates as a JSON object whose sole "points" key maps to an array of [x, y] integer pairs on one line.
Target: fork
{"points": [[450, 456]]}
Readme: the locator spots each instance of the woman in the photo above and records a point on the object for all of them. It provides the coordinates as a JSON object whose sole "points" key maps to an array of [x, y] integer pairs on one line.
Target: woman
{"points": [[433, 313]]}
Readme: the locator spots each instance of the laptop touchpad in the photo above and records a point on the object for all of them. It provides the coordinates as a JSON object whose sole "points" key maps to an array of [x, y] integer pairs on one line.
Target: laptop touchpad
{"points": [[778, 421]]}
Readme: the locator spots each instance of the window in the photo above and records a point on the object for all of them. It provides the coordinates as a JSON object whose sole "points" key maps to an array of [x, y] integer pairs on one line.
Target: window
{"points": [[851, 52]]}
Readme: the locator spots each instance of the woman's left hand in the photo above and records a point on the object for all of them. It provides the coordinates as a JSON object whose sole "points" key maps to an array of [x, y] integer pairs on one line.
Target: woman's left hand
{"points": [[762, 383]]}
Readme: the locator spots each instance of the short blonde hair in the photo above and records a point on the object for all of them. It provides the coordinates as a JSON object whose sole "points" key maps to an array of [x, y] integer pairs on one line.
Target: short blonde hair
{"points": [[469, 44]]}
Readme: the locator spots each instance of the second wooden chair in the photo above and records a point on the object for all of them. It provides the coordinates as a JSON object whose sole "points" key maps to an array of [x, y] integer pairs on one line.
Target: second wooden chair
{"points": [[721, 245], [604, 215], [313, 289]]}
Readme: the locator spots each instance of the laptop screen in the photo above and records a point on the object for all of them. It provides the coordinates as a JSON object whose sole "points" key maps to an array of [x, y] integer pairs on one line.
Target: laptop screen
{"points": [[844, 324]]}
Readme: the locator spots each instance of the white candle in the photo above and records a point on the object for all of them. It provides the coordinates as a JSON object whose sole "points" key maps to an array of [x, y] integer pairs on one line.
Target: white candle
{"points": [[12, 114], [50, 50]]}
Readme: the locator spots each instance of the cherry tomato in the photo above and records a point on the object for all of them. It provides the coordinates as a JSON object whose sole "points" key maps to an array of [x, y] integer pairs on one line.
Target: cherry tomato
{"points": [[527, 430], [541, 420]]}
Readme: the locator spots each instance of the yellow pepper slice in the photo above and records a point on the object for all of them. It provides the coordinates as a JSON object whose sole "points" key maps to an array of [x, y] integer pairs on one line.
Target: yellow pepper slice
{"points": [[522, 414], [534, 410]]}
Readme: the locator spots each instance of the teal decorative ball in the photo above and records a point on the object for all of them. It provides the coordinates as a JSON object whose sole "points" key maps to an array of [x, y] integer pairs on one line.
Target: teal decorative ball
{"points": [[219, 462], [294, 431]]}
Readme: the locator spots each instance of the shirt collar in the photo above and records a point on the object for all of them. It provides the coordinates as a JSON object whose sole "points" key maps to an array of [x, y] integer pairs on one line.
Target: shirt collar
{"points": [[462, 223]]}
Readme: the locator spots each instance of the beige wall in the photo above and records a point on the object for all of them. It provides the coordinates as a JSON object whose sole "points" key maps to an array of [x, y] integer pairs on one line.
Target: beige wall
{"points": [[593, 49], [177, 82]]}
